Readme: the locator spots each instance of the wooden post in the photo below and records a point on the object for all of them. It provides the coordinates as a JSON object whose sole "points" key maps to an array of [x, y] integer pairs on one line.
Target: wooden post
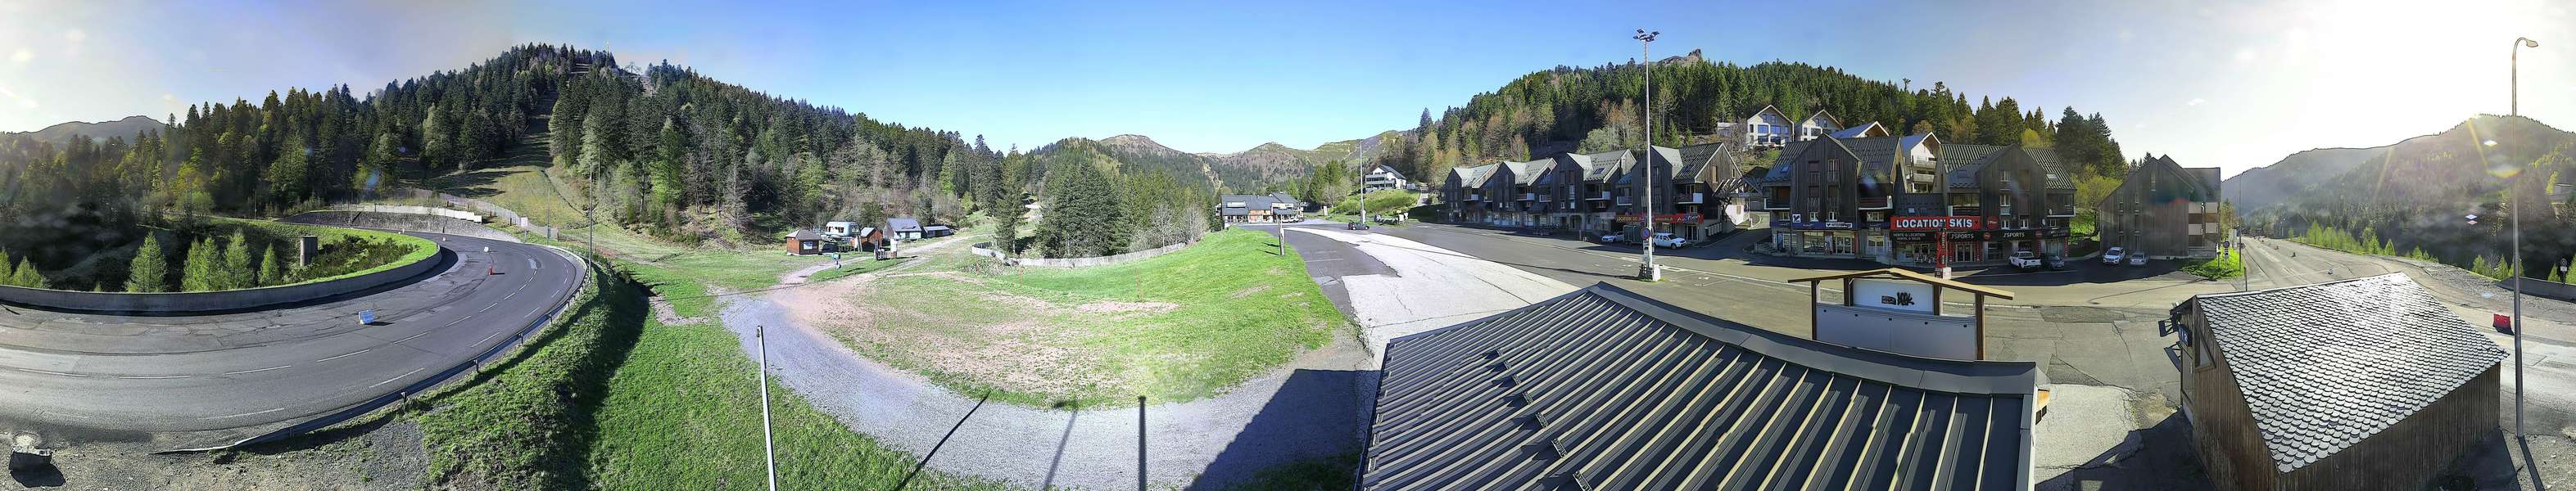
{"points": [[1981, 326], [1812, 296], [1936, 298], [1847, 292]]}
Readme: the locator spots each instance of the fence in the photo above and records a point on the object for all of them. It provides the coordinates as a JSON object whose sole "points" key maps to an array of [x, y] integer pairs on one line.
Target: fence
{"points": [[1077, 262]]}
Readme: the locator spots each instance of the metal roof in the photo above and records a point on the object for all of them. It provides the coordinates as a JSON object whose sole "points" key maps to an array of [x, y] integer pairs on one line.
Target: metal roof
{"points": [[903, 224], [2325, 366], [1604, 389]]}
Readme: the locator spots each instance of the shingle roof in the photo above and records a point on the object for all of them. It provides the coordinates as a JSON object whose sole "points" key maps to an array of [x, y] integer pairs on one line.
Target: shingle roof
{"points": [[1604, 389], [1959, 156], [2327, 365], [1779, 172], [1471, 177], [1861, 131], [1524, 173]]}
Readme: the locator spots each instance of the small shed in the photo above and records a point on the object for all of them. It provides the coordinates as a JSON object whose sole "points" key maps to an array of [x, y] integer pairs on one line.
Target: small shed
{"points": [[804, 242], [2368, 383], [903, 228], [937, 231], [866, 239]]}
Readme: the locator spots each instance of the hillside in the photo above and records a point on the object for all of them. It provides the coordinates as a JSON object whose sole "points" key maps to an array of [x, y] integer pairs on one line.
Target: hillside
{"points": [[2415, 193], [1263, 166], [2262, 187], [126, 128]]}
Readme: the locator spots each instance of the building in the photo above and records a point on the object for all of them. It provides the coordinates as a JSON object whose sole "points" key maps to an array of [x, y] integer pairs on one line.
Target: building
{"points": [[1513, 189], [1865, 130], [903, 228], [865, 239], [1462, 193], [1602, 388], [1288, 207], [1382, 177], [2368, 383], [804, 242], [2164, 210], [1252, 208], [1861, 198], [937, 231], [1707, 183], [1819, 125], [839, 229]]}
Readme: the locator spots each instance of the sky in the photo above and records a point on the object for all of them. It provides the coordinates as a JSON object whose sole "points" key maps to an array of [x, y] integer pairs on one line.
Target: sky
{"points": [[2213, 83]]}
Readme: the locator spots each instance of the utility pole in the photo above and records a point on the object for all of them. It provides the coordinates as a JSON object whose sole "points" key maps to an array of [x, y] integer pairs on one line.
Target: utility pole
{"points": [[760, 336], [1140, 443], [2512, 194], [1646, 206]]}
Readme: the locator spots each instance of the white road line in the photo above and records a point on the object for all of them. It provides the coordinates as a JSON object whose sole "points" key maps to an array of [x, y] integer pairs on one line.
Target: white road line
{"points": [[252, 413], [31, 370], [257, 371], [488, 337], [486, 308], [153, 377], [352, 353], [417, 336], [396, 377]]}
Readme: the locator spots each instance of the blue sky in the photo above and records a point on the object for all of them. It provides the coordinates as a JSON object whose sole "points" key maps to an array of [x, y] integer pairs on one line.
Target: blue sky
{"points": [[2232, 84]]}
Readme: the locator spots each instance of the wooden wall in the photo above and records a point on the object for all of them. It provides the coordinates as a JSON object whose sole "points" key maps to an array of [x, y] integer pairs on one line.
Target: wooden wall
{"points": [[2416, 450]]}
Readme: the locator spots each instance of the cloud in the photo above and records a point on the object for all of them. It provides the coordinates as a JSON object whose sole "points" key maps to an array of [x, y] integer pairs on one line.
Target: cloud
{"points": [[2195, 101]]}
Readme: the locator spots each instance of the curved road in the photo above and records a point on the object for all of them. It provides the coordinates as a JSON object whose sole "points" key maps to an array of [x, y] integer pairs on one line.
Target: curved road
{"points": [[215, 379]]}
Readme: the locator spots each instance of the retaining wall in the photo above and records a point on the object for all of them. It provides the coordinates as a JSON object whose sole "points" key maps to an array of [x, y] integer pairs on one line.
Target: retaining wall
{"points": [[228, 300], [2542, 288], [1077, 262], [412, 210], [400, 221]]}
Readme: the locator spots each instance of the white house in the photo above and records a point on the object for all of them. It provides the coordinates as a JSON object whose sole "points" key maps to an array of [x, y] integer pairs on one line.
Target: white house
{"points": [[1383, 178]]}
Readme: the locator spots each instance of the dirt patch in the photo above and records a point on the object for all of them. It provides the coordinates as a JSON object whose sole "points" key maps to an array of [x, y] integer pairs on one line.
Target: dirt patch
{"points": [[671, 317], [1249, 291], [1117, 307]]}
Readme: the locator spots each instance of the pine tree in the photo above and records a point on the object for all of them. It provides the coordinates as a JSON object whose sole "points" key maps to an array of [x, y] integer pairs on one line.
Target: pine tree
{"points": [[26, 275], [237, 272], [6, 268], [271, 271], [201, 272], [150, 271]]}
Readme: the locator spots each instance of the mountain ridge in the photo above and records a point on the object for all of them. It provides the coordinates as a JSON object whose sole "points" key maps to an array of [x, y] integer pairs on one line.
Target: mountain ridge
{"points": [[122, 127]]}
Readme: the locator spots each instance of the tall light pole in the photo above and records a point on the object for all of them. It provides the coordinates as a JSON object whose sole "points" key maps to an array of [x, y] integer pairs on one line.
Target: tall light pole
{"points": [[1646, 202], [2515, 89]]}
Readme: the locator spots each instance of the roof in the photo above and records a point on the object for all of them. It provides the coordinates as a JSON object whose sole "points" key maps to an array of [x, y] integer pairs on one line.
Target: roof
{"points": [[1524, 173], [1283, 198], [903, 224], [865, 231], [1909, 275], [1603, 389], [840, 224], [935, 227], [1779, 172], [804, 234], [1473, 176], [1828, 119], [1968, 158], [1671, 158], [1868, 129], [1697, 157], [2326, 366]]}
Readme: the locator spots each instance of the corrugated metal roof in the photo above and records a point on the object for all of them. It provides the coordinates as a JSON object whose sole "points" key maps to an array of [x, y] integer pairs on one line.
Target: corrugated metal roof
{"points": [[2326, 366], [1604, 389]]}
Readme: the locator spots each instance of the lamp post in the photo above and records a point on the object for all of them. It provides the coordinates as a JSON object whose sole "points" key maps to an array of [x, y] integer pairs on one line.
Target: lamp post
{"points": [[2514, 91], [2515, 85], [1646, 203]]}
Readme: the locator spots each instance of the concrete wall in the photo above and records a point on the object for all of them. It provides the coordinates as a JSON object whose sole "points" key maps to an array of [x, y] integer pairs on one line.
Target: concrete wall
{"points": [[400, 221], [413, 210], [1077, 262], [229, 300], [2543, 288]]}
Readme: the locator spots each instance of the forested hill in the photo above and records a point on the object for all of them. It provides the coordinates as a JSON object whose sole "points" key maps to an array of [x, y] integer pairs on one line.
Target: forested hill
{"points": [[130, 126], [2261, 187], [1266, 167], [676, 153], [1596, 108], [2416, 193]]}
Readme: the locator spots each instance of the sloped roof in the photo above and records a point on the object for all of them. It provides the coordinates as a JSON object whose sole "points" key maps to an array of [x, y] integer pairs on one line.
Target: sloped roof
{"points": [[2326, 366], [1473, 176], [1865, 130], [1965, 156], [804, 234], [1695, 158], [903, 224], [1828, 119], [1671, 165], [1524, 173], [1604, 389], [1779, 172]]}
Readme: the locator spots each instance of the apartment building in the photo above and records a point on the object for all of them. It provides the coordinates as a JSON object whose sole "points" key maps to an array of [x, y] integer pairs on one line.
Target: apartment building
{"points": [[1382, 177], [1850, 198], [2164, 210]]}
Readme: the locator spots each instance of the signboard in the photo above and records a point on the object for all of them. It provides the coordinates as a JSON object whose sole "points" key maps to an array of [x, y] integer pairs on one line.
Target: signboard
{"points": [[1906, 295], [1664, 218], [1917, 236], [1934, 223], [1909, 333], [1967, 235], [2012, 235]]}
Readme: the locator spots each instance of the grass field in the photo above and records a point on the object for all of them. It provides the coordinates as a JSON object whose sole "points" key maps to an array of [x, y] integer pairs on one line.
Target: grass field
{"points": [[2226, 265], [1182, 326]]}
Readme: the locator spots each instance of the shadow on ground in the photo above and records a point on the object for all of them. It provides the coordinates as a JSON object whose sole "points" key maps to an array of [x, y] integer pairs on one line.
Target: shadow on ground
{"points": [[2158, 457], [1306, 437]]}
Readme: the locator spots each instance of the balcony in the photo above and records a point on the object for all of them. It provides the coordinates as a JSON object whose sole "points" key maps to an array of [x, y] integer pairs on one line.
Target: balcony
{"points": [[2061, 212], [1528, 196], [1475, 197], [1597, 196], [1691, 198], [1623, 201], [1877, 203]]}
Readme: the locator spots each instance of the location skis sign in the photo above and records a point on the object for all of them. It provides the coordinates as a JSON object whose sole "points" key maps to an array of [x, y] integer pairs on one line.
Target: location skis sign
{"points": [[1934, 223]]}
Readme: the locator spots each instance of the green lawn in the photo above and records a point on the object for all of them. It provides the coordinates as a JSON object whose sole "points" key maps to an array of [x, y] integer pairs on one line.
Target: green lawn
{"points": [[2226, 265], [1182, 326]]}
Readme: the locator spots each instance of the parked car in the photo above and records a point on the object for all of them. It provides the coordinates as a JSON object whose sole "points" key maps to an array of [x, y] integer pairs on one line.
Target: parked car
{"points": [[2057, 262], [1669, 240], [2137, 259], [2113, 256], [2026, 260], [1614, 238]]}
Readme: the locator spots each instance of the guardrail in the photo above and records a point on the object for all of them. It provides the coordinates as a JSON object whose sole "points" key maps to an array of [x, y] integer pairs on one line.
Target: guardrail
{"points": [[217, 301]]}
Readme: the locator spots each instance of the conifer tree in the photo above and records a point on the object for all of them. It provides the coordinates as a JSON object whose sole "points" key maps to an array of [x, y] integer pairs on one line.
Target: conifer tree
{"points": [[26, 275], [237, 270], [271, 272], [150, 272], [202, 271]]}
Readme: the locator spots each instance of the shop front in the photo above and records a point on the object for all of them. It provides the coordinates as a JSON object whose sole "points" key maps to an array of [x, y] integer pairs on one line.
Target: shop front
{"points": [[1826, 239]]}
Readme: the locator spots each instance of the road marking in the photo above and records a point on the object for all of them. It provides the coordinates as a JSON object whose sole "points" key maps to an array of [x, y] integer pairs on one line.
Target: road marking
{"points": [[352, 353], [486, 308], [488, 337], [31, 370], [252, 413], [257, 371], [152, 377], [396, 377], [417, 336]]}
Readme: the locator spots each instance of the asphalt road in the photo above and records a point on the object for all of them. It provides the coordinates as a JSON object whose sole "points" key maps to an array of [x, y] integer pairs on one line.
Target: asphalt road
{"points": [[191, 380]]}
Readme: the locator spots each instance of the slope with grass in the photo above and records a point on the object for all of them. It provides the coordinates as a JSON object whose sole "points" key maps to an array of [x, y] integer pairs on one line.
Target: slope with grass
{"points": [[1178, 327]]}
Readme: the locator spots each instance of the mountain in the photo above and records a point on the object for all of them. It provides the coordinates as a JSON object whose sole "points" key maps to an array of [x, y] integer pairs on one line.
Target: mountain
{"points": [[2415, 193], [128, 127], [1249, 170], [2262, 187]]}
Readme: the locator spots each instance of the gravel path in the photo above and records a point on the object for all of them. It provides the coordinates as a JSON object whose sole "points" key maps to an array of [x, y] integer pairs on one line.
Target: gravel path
{"points": [[1312, 408]]}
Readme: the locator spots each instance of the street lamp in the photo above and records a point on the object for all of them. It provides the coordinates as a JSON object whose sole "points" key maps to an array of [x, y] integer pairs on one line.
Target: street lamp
{"points": [[1646, 206], [2515, 85]]}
